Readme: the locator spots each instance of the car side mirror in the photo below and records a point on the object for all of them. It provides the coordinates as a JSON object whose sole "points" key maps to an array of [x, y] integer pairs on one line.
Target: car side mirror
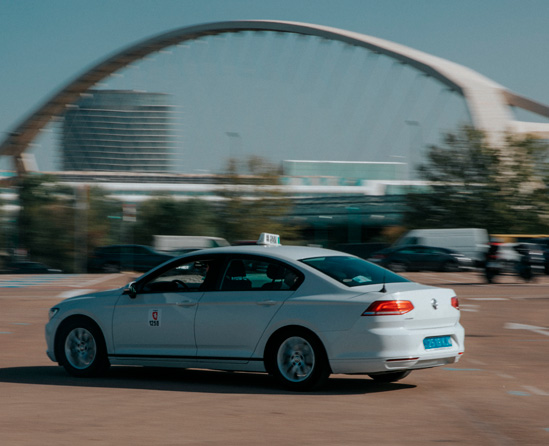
{"points": [[130, 290]]}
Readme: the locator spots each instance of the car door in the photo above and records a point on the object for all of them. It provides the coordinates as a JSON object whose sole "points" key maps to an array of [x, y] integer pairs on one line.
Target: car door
{"points": [[159, 319], [230, 320], [410, 256], [143, 259], [429, 258]]}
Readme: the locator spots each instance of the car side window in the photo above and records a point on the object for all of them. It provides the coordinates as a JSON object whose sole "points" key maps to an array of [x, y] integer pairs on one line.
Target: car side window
{"points": [[243, 274], [186, 276], [409, 250]]}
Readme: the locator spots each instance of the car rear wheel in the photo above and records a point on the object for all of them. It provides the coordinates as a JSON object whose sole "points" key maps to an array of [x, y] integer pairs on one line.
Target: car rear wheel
{"points": [[298, 361], [81, 349], [390, 377]]}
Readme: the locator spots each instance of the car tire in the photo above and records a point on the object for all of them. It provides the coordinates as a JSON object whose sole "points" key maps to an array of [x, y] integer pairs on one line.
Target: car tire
{"points": [[449, 267], [81, 349], [390, 377], [297, 360], [397, 267], [111, 267]]}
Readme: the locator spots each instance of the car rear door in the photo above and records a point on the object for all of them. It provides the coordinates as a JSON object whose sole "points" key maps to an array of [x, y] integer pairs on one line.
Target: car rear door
{"points": [[231, 320]]}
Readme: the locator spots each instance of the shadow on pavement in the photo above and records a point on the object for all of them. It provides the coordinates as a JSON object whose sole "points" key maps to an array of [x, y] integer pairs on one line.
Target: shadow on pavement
{"points": [[185, 380]]}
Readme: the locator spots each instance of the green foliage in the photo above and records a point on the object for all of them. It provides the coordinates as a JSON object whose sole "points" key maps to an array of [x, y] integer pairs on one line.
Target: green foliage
{"points": [[59, 225], [472, 184], [166, 216], [43, 225]]}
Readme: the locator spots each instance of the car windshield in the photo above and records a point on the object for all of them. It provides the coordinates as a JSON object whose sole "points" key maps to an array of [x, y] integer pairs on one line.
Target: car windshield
{"points": [[352, 271]]}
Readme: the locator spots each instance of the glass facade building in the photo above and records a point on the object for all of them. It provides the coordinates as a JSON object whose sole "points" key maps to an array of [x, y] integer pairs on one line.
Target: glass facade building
{"points": [[118, 130]]}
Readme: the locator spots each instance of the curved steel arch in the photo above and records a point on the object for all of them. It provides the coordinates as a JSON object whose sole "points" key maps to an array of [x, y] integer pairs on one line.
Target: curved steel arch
{"points": [[488, 102]]}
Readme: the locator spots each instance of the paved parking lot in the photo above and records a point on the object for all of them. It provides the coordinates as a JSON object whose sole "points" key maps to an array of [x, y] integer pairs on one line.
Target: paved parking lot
{"points": [[498, 394]]}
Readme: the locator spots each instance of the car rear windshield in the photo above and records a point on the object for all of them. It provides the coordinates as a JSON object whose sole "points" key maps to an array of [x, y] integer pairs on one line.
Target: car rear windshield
{"points": [[352, 271]]}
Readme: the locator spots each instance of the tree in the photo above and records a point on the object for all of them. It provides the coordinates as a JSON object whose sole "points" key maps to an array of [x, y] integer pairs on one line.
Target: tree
{"points": [[166, 216], [46, 222], [470, 183], [59, 225]]}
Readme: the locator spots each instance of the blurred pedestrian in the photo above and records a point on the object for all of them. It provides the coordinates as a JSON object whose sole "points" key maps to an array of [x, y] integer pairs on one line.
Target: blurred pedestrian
{"points": [[491, 265]]}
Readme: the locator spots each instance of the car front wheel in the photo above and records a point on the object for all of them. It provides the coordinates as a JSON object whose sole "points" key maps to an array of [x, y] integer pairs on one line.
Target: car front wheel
{"points": [[298, 361], [81, 349]]}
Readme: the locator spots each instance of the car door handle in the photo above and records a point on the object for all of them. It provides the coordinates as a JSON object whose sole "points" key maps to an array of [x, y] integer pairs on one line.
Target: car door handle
{"points": [[186, 303], [267, 303]]}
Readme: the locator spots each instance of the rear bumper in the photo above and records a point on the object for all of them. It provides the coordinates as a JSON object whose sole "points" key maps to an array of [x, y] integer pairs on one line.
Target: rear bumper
{"points": [[388, 350], [365, 366]]}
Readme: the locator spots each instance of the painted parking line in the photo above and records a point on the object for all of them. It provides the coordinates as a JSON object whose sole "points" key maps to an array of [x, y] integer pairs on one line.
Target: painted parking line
{"points": [[97, 280], [535, 391], [469, 308], [505, 375], [37, 280], [533, 328], [518, 393], [488, 298], [66, 280], [455, 369]]}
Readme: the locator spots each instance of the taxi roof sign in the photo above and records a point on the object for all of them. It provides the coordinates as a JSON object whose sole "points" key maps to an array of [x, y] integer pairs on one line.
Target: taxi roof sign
{"points": [[268, 239]]}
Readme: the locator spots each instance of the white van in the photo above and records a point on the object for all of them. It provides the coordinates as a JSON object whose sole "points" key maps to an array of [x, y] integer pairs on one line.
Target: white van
{"points": [[471, 242], [182, 243]]}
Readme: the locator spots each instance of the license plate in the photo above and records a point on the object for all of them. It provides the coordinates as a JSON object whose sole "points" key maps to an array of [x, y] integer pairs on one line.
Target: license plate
{"points": [[437, 342]]}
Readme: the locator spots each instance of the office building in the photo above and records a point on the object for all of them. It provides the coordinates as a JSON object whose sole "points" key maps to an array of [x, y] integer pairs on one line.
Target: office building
{"points": [[117, 130]]}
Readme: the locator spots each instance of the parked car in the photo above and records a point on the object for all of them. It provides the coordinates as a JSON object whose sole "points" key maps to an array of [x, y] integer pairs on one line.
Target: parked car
{"points": [[471, 242], [420, 257], [304, 314], [27, 267], [116, 258]]}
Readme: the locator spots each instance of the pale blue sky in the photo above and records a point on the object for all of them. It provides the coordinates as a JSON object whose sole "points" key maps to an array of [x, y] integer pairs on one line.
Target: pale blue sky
{"points": [[44, 44]]}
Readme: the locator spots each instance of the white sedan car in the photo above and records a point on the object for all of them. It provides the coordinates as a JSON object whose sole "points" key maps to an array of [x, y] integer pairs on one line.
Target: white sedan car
{"points": [[298, 313]]}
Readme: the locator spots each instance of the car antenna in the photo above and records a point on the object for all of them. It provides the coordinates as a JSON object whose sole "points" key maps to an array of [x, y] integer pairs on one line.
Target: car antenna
{"points": [[383, 289]]}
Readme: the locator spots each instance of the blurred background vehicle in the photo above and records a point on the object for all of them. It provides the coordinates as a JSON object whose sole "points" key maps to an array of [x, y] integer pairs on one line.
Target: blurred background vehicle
{"points": [[28, 267], [181, 244], [116, 258], [419, 257], [471, 242], [362, 250]]}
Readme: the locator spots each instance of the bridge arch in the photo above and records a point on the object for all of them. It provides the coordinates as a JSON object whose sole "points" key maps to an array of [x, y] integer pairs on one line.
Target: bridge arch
{"points": [[488, 102]]}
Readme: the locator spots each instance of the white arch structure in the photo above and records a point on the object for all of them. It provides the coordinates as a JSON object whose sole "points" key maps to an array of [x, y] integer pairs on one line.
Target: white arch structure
{"points": [[488, 102]]}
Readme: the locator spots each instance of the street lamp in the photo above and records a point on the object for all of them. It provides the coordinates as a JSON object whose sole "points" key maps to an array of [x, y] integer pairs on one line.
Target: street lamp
{"points": [[234, 138], [416, 142]]}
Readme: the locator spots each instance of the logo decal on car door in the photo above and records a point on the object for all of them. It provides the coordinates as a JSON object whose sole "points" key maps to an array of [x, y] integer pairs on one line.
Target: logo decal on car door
{"points": [[154, 318]]}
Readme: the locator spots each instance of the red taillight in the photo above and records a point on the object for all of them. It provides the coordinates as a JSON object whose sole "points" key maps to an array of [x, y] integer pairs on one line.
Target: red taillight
{"points": [[388, 308], [455, 303]]}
